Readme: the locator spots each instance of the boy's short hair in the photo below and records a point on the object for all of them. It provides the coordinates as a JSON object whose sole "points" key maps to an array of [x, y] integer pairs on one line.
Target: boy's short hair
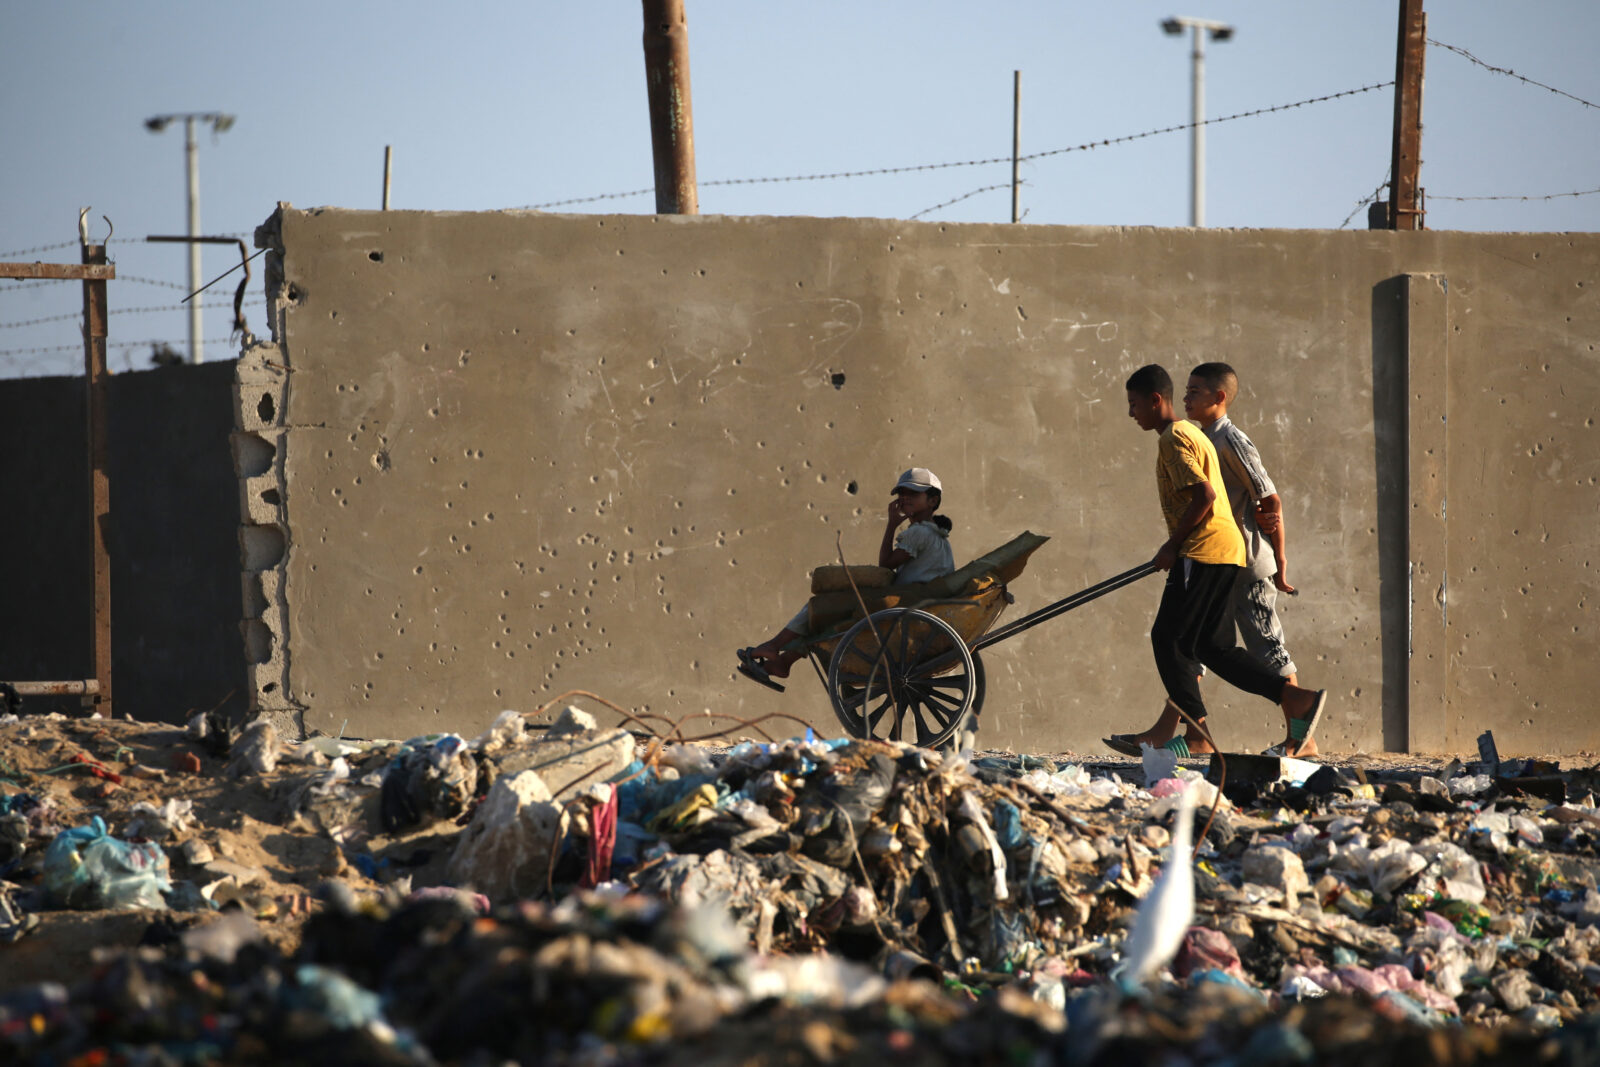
{"points": [[1151, 380], [1217, 376]]}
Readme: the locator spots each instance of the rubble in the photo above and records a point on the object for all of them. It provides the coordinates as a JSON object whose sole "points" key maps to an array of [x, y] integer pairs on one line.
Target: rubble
{"points": [[419, 901]]}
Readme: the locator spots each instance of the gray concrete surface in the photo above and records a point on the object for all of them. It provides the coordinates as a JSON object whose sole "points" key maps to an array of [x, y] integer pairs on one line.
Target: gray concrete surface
{"points": [[492, 457]]}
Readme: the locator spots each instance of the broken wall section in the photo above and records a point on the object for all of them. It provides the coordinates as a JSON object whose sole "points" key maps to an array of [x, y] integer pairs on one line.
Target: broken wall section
{"points": [[260, 391]]}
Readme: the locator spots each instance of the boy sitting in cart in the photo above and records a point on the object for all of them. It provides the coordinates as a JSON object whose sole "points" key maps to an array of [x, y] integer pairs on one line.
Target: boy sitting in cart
{"points": [[919, 553]]}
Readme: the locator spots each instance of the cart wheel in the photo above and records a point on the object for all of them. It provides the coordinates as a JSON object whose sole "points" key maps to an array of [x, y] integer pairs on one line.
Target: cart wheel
{"points": [[925, 678]]}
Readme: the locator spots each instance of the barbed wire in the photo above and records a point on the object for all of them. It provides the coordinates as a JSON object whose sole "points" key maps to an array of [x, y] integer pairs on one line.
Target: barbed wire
{"points": [[1206, 122], [918, 167], [112, 241], [40, 248], [152, 281], [110, 345], [1514, 196], [136, 280], [963, 196], [216, 304], [1508, 72], [1370, 197]]}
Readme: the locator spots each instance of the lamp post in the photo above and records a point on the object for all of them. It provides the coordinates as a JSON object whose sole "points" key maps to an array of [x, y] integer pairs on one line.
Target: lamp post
{"points": [[220, 123], [1199, 30]]}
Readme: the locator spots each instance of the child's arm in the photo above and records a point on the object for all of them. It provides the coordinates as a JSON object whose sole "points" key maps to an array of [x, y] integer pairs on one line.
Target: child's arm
{"points": [[888, 555], [1201, 499], [1269, 517]]}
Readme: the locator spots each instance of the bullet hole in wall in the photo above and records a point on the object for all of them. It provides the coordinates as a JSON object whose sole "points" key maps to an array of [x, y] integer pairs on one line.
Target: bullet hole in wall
{"points": [[267, 410], [838, 379]]}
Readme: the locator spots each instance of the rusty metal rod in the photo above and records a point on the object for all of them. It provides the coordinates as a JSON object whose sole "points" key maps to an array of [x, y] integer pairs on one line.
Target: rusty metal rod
{"points": [[1406, 158], [64, 271]]}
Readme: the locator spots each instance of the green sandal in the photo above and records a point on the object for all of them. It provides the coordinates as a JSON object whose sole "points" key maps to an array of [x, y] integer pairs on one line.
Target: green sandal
{"points": [[1300, 730]]}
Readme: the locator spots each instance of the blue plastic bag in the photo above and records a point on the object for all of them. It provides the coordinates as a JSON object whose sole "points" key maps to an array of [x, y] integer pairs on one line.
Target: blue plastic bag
{"points": [[86, 868]]}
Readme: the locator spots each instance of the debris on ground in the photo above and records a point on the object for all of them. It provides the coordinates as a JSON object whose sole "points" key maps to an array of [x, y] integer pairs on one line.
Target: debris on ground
{"points": [[563, 892]]}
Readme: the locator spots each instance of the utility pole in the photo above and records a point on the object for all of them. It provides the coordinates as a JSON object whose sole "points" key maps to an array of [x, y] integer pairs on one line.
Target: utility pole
{"points": [[1016, 137], [1218, 31], [666, 69], [220, 123], [1405, 212]]}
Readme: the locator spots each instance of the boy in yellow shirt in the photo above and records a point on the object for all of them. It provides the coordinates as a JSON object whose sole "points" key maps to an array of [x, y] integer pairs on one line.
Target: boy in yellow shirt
{"points": [[1203, 554]]}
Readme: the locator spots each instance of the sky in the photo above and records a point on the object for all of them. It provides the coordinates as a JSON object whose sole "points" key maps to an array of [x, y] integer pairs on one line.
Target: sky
{"points": [[517, 103]]}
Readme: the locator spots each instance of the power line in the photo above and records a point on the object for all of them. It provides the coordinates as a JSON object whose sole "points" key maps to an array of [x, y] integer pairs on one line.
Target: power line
{"points": [[1508, 72], [968, 162]]}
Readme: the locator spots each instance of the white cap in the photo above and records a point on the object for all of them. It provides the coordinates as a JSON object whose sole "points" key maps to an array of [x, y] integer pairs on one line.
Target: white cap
{"points": [[920, 479]]}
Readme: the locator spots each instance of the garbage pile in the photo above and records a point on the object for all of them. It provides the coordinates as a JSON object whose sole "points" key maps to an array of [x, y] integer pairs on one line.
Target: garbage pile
{"points": [[580, 894]]}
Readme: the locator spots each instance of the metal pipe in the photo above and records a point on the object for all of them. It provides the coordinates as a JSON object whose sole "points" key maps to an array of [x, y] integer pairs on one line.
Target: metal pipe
{"points": [[191, 162], [1064, 605], [666, 68], [1016, 137], [87, 687], [388, 172], [1197, 141]]}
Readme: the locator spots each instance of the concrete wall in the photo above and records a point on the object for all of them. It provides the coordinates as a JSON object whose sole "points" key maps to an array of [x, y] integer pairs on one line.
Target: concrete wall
{"points": [[174, 559], [493, 457]]}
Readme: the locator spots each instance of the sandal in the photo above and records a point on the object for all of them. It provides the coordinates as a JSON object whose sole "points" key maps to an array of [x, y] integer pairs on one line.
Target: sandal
{"points": [[1122, 743], [1300, 730], [757, 674]]}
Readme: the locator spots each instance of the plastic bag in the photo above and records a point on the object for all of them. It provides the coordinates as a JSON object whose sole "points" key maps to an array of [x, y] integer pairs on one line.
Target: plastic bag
{"points": [[86, 868]]}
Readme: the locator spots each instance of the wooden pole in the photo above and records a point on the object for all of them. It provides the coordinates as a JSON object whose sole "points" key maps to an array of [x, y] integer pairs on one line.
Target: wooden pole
{"points": [[666, 68], [1405, 212], [98, 385]]}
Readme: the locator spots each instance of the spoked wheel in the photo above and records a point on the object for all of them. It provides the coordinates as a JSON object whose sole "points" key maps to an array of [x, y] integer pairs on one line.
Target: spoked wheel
{"points": [[904, 675]]}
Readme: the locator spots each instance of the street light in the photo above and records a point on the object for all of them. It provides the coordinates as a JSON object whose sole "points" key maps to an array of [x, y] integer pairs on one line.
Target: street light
{"points": [[1218, 31], [220, 123]]}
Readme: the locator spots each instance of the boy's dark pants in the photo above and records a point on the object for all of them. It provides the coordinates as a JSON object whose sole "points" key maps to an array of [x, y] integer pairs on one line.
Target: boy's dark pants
{"points": [[1185, 635]]}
